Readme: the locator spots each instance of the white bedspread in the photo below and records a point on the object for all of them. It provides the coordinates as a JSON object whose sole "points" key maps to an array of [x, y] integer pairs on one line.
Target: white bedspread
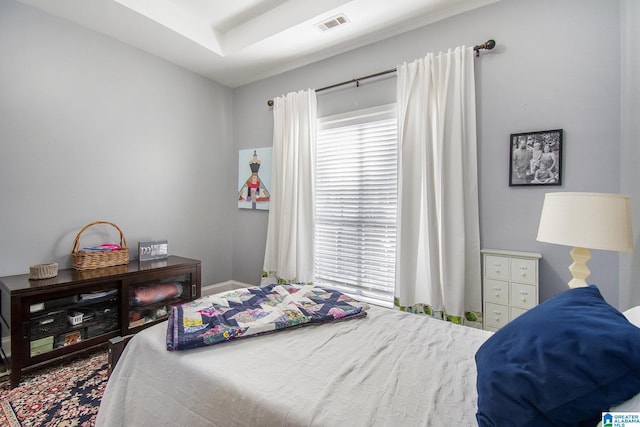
{"points": [[388, 369]]}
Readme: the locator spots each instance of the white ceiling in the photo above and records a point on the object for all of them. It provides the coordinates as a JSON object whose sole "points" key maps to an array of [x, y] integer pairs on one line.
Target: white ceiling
{"points": [[235, 42]]}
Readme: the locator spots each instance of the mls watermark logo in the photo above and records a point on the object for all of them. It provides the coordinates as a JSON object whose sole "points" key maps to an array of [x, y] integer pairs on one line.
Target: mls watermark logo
{"points": [[621, 419]]}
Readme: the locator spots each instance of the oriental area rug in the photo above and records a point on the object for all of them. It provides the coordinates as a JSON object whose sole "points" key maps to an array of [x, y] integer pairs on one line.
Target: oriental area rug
{"points": [[63, 395]]}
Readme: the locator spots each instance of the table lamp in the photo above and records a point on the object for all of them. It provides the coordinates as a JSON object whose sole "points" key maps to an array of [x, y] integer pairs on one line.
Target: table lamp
{"points": [[586, 221]]}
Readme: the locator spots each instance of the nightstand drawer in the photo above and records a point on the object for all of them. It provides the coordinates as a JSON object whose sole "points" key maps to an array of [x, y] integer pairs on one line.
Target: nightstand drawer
{"points": [[515, 312], [523, 271], [496, 267], [523, 296], [496, 291], [496, 315]]}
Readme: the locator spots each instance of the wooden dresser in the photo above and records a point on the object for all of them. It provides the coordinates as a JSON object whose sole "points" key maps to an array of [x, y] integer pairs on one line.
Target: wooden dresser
{"points": [[44, 321]]}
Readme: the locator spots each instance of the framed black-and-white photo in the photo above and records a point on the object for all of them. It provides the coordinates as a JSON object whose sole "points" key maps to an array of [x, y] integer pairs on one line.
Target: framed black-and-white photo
{"points": [[535, 158]]}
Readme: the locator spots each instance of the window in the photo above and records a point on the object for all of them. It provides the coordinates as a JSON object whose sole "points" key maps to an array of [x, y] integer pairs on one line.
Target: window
{"points": [[356, 203]]}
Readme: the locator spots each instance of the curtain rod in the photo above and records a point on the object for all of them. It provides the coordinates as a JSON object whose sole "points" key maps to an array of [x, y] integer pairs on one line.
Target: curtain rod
{"points": [[488, 45]]}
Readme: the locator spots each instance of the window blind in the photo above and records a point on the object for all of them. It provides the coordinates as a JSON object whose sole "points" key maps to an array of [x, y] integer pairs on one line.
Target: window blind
{"points": [[356, 203]]}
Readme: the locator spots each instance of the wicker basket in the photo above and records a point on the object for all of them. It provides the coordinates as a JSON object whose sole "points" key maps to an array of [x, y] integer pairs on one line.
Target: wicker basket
{"points": [[43, 271], [91, 260]]}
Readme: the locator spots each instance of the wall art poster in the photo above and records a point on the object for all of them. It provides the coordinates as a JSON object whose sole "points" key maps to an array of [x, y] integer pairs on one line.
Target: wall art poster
{"points": [[254, 178], [536, 158]]}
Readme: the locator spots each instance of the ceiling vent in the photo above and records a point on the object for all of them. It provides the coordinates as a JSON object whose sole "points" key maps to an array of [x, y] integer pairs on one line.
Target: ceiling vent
{"points": [[332, 23]]}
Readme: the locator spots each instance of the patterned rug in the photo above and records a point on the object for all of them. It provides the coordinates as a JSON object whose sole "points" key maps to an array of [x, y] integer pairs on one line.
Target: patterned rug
{"points": [[64, 395]]}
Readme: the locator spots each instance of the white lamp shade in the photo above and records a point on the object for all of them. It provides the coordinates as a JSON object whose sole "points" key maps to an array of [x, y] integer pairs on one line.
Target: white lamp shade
{"points": [[587, 220]]}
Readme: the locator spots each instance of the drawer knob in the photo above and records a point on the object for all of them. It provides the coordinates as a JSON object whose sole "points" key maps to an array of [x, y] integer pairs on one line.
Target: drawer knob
{"points": [[497, 319], [523, 299], [497, 294]]}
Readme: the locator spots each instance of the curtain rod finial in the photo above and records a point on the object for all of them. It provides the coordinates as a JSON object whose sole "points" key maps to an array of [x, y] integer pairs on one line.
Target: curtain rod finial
{"points": [[270, 103], [488, 45]]}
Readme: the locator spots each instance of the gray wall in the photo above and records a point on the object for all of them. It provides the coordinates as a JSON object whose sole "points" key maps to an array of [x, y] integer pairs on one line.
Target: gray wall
{"points": [[630, 143], [92, 129], [557, 65]]}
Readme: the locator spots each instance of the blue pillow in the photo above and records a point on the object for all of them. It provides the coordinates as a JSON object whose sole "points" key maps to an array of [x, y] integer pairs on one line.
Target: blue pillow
{"points": [[561, 363]]}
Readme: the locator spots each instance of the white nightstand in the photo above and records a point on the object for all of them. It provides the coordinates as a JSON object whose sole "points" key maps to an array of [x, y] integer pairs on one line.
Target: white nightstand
{"points": [[510, 285]]}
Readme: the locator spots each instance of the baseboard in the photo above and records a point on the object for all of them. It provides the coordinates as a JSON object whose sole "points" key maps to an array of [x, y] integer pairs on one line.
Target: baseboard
{"points": [[229, 285]]}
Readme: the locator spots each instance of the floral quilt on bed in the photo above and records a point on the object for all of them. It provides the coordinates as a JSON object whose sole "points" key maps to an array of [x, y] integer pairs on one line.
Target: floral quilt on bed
{"points": [[255, 310]]}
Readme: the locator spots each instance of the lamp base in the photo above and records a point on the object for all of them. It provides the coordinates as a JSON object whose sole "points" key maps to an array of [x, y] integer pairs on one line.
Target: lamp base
{"points": [[578, 269]]}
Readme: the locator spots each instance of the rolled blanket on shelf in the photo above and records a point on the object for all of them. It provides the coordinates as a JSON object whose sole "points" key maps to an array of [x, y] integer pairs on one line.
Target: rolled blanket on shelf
{"points": [[157, 292]]}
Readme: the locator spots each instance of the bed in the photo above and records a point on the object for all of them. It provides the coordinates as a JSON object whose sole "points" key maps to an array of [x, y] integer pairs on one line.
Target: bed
{"points": [[388, 368]]}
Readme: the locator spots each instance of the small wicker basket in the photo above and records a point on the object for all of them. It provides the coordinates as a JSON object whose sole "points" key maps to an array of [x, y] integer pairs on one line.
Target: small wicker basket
{"points": [[43, 271], [81, 260]]}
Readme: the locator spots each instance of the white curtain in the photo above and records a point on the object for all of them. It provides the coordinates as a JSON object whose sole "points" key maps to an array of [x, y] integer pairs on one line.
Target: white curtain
{"points": [[438, 255], [290, 231]]}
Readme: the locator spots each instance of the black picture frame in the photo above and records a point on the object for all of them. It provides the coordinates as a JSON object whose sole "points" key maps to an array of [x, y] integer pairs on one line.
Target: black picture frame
{"points": [[535, 158]]}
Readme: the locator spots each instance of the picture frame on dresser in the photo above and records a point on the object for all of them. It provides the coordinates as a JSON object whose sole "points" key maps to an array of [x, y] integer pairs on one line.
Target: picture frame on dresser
{"points": [[536, 158]]}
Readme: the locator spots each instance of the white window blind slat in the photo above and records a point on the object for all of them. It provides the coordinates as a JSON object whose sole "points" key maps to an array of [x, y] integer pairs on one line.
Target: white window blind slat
{"points": [[356, 203]]}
